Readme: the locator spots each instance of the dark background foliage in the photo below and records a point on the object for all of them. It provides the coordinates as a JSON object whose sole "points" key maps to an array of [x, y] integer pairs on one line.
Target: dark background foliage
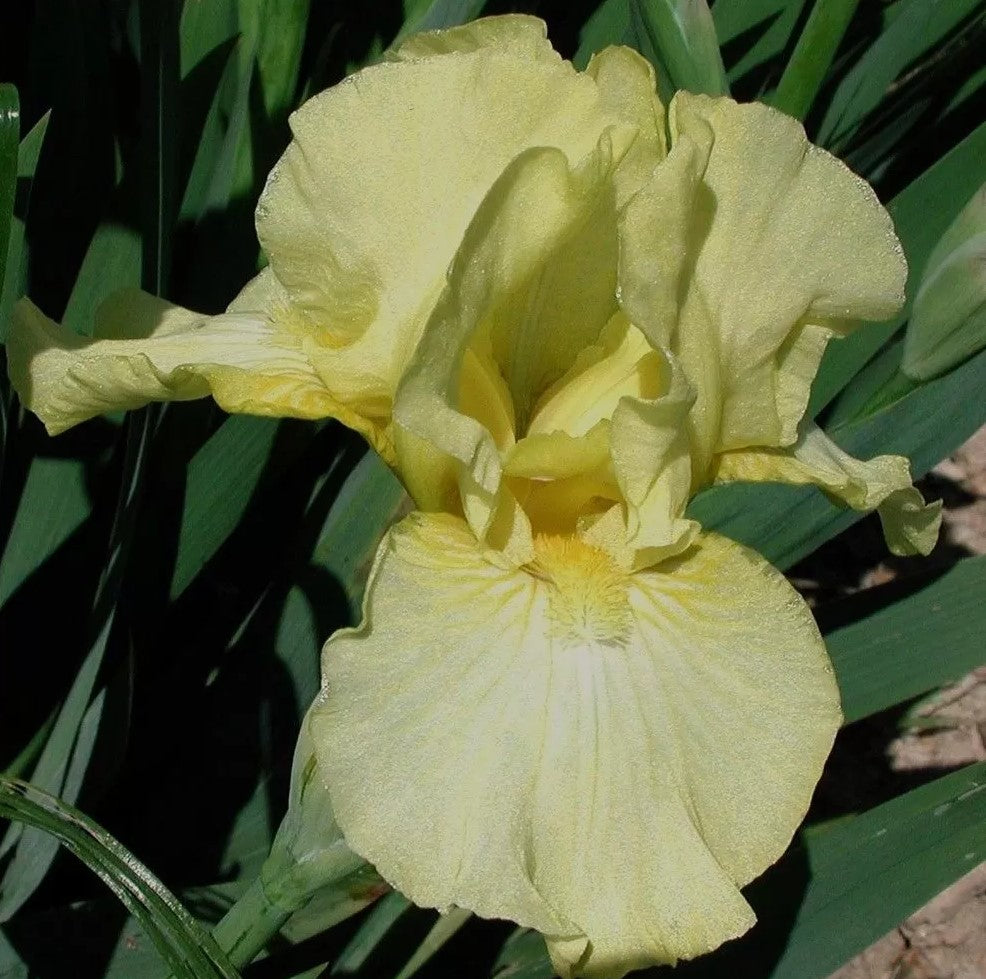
{"points": [[166, 581]]}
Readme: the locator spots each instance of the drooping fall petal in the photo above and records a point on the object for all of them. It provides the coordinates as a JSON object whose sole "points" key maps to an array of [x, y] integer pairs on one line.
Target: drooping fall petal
{"points": [[882, 484], [145, 349], [606, 757]]}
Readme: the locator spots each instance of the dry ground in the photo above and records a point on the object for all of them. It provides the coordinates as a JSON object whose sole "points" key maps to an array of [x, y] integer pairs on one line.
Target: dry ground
{"points": [[946, 939]]}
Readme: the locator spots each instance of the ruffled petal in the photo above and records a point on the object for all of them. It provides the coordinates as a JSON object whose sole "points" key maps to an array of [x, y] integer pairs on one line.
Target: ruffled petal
{"points": [[363, 214], [620, 363], [606, 757], [645, 398], [747, 252], [652, 460], [525, 296], [883, 484], [628, 88], [521, 35], [558, 455], [146, 349]]}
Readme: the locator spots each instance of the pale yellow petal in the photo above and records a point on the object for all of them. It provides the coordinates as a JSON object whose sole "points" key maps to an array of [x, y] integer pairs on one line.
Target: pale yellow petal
{"points": [[884, 483], [910, 525], [166, 354], [604, 757], [629, 90], [484, 395], [652, 460], [521, 35], [750, 249], [623, 378], [620, 363], [558, 455], [522, 291], [548, 314], [363, 214], [563, 505]]}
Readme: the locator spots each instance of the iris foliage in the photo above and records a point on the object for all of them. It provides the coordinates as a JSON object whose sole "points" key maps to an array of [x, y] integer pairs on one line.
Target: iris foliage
{"points": [[167, 578]]}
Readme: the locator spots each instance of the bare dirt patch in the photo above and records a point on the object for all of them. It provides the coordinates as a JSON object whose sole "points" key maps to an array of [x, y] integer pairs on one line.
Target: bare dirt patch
{"points": [[946, 939]]}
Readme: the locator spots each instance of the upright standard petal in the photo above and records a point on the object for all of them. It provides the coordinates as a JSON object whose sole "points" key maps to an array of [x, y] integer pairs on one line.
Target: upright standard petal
{"points": [[606, 757], [366, 209], [529, 289], [146, 349], [749, 250], [520, 34]]}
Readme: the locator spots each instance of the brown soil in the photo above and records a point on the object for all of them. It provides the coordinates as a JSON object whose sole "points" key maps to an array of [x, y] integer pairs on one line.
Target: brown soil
{"points": [[946, 939]]}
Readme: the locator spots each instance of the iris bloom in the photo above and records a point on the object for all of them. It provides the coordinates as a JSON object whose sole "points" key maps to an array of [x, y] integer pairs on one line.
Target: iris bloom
{"points": [[557, 312]]}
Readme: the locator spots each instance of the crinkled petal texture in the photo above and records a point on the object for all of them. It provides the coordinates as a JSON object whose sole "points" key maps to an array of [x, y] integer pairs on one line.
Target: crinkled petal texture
{"points": [[145, 349], [748, 250], [746, 253], [882, 484], [603, 756], [360, 218], [532, 403], [366, 209]]}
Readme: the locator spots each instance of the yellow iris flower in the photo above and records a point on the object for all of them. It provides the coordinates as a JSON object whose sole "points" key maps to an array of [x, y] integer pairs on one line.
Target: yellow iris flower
{"points": [[558, 313]]}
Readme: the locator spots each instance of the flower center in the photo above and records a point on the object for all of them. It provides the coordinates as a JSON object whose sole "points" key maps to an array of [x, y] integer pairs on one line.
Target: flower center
{"points": [[587, 598]]}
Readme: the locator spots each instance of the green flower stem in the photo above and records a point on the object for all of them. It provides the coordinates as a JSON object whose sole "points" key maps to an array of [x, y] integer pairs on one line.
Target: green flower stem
{"points": [[287, 882], [309, 856], [251, 923]]}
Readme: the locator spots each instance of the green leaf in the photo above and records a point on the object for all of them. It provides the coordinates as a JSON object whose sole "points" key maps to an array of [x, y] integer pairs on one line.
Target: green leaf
{"points": [[15, 280], [921, 214], [948, 322], [317, 590], [444, 929], [203, 28], [916, 30], [609, 24], [205, 124], [159, 63], [680, 37], [340, 552], [332, 905], [223, 166], [369, 502], [112, 262], [523, 956], [871, 872], [969, 89], [11, 965], [895, 642], [753, 34], [222, 479], [279, 26], [439, 14], [54, 503], [370, 934], [62, 765], [813, 55], [226, 175], [187, 949], [10, 132]]}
